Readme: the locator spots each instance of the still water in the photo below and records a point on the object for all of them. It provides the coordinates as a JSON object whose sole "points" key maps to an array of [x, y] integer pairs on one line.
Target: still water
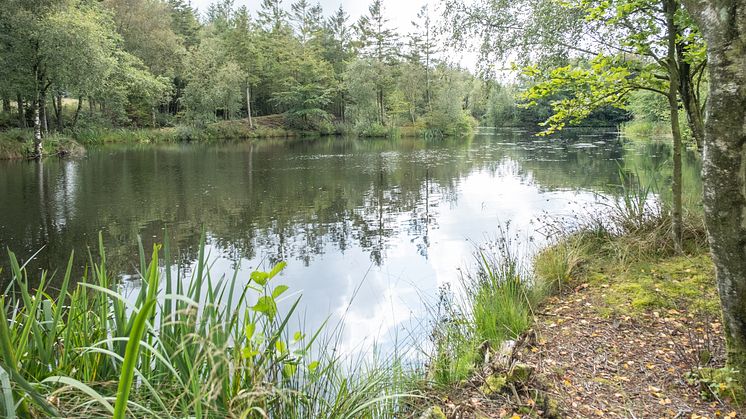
{"points": [[379, 223]]}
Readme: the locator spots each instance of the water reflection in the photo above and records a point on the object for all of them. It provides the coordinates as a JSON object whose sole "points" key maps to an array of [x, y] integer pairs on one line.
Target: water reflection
{"points": [[381, 220]]}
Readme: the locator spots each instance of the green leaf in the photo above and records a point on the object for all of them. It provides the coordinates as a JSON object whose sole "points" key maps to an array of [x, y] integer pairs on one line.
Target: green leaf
{"points": [[313, 366], [249, 352], [249, 330], [277, 269], [267, 306], [260, 277], [288, 370], [130, 360], [279, 290]]}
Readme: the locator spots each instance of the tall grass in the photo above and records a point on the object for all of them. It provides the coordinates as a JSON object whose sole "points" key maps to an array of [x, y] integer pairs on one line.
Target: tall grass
{"points": [[494, 303], [202, 347]]}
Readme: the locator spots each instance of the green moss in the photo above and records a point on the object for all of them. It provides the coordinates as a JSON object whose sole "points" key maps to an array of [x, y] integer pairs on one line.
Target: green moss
{"points": [[494, 384], [520, 373], [676, 283]]}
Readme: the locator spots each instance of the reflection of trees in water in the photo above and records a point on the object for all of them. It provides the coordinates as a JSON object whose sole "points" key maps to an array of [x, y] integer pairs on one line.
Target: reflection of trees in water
{"points": [[278, 199]]}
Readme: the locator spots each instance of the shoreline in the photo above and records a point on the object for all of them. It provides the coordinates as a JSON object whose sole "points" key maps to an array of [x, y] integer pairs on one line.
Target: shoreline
{"points": [[17, 144], [623, 326]]}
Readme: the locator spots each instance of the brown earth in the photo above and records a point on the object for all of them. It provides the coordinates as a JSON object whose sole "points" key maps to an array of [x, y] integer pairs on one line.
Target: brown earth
{"points": [[589, 366]]}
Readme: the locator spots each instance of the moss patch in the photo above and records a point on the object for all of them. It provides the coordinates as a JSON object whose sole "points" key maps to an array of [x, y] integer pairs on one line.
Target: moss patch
{"points": [[682, 283], [494, 384]]}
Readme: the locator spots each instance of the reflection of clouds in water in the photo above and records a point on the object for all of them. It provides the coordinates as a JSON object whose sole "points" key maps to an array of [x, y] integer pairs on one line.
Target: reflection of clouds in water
{"points": [[64, 193], [375, 301]]}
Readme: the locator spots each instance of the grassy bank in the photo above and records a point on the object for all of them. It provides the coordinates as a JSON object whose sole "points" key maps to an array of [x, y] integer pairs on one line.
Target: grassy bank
{"points": [[526, 338], [644, 130], [206, 347], [18, 143]]}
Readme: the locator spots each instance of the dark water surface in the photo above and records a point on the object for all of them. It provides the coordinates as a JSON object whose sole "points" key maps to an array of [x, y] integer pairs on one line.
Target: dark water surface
{"points": [[387, 221]]}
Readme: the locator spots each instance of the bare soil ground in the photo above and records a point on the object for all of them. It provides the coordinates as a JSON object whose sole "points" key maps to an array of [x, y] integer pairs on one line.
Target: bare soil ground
{"points": [[588, 366]]}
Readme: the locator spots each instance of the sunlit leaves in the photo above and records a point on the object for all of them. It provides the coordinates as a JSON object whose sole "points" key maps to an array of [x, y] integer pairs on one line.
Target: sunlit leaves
{"points": [[584, 88]]}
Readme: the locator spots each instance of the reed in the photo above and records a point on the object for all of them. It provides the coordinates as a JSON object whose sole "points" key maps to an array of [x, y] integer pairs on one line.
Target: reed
{"points": [[185, 347]]}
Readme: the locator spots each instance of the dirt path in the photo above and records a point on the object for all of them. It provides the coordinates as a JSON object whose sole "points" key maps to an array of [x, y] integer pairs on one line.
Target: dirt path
{"points": [[623, 367]]}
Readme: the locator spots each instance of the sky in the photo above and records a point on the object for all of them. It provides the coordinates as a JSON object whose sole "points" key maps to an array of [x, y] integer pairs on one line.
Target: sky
{"points": [[399, 12]]}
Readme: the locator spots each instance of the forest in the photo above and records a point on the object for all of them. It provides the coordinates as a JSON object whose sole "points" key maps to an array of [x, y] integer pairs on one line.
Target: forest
{"points": [[70, 67], [274, 209]]}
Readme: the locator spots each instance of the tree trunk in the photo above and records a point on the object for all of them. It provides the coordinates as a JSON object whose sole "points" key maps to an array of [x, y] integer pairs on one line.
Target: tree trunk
{"points": [[58, 112], [690, 96], [55, 108], [6, 104], [723, 24], [381, 112], [91, 106], [673, 105], [38, 148], [77, 112], [43, 110], [248, 106], [39, 103], [21, 113]]}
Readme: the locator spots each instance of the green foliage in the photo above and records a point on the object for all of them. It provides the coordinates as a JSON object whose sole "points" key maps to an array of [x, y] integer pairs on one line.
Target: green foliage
{"points": [[501, 107], [580, 90], [448, 114], [306, 97], [151, 63], [648, 107], [214, 83], [497, 305], [202, 347], [362, 94], [718, 384]]}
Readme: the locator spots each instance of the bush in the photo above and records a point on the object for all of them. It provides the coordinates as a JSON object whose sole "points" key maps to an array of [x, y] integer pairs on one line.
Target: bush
{"points": [[458, 125], [371, 130]]}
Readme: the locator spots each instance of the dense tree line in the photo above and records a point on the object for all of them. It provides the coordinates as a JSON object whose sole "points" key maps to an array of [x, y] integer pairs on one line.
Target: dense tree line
{"points": [[156, 62]]}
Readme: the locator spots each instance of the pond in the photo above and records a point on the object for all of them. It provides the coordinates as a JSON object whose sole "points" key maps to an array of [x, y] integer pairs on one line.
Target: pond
{"points": [[378, 223]]}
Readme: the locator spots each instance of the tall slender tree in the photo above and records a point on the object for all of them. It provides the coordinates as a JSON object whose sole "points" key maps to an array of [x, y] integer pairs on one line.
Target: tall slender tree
{"points": [[379, 42], [723, 24]]}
